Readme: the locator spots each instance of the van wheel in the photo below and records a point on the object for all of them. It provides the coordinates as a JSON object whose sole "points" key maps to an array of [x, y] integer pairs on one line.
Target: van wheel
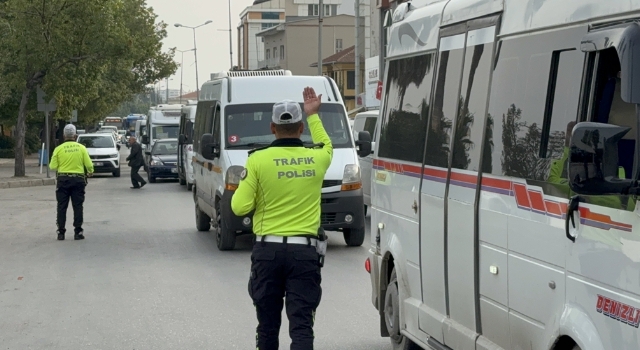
{"points": [[116, 173], [203, 221], [182, 181], [225, 238], [354, 237], [392, 316], [189, 187]]}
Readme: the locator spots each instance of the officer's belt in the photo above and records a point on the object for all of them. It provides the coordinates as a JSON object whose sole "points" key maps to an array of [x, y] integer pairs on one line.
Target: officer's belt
{"points": [[71, 175], [289, 239]]}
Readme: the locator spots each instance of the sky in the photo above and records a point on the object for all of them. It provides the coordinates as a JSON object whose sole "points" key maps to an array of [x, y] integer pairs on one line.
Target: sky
{"points": [[212, 40]]}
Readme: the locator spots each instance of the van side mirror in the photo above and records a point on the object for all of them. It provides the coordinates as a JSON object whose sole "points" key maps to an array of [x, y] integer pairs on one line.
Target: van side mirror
{"points": [[208, 147], [145, 139], [182, 139], [364, 144], [593, 160]]}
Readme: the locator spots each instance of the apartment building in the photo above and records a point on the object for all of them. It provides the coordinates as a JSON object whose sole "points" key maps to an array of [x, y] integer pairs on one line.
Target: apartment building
{"points": [[293, 44], [264, 15]]}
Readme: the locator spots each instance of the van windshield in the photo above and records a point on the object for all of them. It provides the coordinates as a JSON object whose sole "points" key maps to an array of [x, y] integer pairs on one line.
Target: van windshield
{"points": [[248, 125]]}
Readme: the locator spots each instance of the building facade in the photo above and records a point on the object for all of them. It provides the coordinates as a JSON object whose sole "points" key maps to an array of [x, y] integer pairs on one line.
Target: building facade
{"points": [[291, 45], [258, 18], [341, 67]]}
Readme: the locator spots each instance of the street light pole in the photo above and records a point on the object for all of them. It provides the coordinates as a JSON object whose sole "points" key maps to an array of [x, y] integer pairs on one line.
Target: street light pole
{"points": [[182, 70], [320, 19], [195, 51]]}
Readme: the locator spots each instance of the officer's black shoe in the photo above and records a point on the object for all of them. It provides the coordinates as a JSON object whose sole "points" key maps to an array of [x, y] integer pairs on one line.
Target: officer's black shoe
{"points": [[78, 236], [61, 235]]}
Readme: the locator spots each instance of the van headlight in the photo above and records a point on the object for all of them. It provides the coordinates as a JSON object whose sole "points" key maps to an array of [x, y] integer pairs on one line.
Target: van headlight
{"points": [[233, 177], [351, 179]]}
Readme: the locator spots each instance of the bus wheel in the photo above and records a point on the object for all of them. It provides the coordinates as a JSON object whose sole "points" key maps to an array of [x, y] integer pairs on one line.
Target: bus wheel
{"points": [[392, 316]]}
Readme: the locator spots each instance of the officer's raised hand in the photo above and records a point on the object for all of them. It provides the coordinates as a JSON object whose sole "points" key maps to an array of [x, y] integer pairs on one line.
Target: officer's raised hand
{"points": [[311, 101]]}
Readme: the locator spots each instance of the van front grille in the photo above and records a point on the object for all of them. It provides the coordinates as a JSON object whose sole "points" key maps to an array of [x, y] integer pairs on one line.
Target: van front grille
{"points": [[331, 183], [327, 218]]}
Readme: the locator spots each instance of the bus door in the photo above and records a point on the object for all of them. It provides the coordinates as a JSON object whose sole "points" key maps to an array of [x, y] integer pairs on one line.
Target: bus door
{"points": [[452, 167]]}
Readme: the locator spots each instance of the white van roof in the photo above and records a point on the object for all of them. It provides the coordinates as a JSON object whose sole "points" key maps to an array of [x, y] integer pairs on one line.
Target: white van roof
{"points": [[250, 73], [270, 89]]}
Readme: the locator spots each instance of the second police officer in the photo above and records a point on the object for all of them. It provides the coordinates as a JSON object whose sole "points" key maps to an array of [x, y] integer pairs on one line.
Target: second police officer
{"points": [[283, 183], [73, 164]]}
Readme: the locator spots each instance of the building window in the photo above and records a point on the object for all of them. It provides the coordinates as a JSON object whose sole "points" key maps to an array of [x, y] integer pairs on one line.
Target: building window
{"points": [[268, 25], [313, 10], [275, 52], [351, 80], [268, 55], [329, 10], [338, 45], [282, 51], [271, 15]]}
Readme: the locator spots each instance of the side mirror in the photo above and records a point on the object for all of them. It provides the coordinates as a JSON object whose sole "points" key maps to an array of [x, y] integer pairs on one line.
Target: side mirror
{"points": [[593, 160], [182, 139], [208, 147], [145, 139], [364, 144]]}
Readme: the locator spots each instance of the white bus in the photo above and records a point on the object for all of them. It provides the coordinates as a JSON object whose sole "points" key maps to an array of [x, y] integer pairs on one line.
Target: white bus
{"points": [[497, 222]]}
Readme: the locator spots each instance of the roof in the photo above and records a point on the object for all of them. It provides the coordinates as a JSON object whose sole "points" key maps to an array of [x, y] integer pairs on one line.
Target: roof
{"points": [[347, 55], [190, 96]]}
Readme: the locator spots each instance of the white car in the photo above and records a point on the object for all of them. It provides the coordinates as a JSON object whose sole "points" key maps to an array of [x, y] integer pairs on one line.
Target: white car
{"points": [[104, 152]]}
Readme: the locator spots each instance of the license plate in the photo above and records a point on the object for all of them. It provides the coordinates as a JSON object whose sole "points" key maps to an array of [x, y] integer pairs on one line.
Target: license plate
{"points": [[174, 170], [98, 163]]}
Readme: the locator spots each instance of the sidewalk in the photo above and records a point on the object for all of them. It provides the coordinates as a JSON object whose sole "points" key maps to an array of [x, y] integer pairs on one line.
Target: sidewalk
{"points": [[32, 170]]}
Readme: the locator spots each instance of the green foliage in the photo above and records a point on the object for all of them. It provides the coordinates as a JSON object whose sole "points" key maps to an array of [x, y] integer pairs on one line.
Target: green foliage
{"points": [[7, 153], [7, 142], [88, 55]]}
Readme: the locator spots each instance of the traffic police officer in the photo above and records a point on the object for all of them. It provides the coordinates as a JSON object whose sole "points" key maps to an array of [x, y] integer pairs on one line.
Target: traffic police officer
{"points": [[73, 164], [283, 183]]}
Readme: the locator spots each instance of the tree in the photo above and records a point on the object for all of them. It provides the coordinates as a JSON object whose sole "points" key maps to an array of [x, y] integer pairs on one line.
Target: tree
{"points": [[89, 55]]}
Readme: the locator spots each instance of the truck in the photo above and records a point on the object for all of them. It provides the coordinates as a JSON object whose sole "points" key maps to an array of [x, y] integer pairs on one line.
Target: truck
{"points": [[505, 176], [163, 122]]}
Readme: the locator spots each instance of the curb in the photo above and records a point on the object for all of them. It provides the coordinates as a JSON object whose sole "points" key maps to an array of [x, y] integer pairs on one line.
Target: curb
{"points": [[27, 183]]}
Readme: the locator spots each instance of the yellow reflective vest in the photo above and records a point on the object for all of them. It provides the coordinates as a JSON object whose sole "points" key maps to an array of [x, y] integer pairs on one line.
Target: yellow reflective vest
{"points": [[71, 158], [283, 184]]}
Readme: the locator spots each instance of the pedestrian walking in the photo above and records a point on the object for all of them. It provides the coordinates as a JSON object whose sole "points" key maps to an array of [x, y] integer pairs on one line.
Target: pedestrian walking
{"points": [[72, 164], [136, 161], [289, 247]]}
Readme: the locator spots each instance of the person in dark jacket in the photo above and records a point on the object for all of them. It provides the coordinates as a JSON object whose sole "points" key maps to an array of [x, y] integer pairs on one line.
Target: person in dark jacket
{"points": [[136, 161]]}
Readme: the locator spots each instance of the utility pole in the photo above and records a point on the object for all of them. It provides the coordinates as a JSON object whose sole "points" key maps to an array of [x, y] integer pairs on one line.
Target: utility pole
{"points": [[167, 92], [357, 49], [230, 39], [320, 19]]}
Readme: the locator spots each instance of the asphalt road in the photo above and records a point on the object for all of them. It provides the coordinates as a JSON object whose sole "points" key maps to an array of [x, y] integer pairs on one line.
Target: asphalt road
{"points": [[145, 278]]}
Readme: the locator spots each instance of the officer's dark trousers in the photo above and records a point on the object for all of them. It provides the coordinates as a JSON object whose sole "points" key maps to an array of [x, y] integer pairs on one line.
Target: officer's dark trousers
{"points": [[136, 179], [280, 270], [70, 188]]}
